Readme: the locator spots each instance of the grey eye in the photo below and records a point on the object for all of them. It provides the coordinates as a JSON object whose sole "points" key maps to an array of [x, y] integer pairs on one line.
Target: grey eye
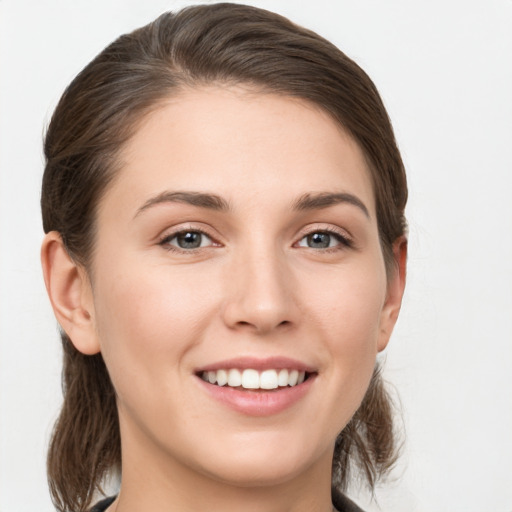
{"points": [[319, 240], [189, 240]]}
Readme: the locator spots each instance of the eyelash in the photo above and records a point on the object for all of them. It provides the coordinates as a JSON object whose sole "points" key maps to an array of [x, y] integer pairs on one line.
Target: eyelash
{"points": [[345, 242], [167, 238]]}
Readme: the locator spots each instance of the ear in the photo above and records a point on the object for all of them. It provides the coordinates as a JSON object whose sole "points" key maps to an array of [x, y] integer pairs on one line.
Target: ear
{"points": [[70, 294], [395, 292]]}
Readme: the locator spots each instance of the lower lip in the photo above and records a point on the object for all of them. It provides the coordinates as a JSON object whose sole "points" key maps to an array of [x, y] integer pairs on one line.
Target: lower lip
{"points": [[258, 402]]}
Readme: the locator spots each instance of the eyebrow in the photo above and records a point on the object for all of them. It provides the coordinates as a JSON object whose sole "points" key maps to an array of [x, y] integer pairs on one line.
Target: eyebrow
{"points": [[209, 201], [326, 199], [200, 199]]}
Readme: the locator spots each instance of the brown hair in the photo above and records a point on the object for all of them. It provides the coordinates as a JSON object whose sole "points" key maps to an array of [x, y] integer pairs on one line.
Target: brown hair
{"points": [[101, 109]]}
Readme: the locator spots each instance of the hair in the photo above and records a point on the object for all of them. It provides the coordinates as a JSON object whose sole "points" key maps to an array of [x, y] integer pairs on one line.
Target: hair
{"points": [[99, 112]]}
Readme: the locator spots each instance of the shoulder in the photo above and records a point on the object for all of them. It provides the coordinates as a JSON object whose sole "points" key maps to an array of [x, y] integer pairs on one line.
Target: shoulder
{"points": [[102, 505], [344, 504]]}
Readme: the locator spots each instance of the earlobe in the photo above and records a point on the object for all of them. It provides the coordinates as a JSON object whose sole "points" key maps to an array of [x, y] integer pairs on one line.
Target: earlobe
{"points": [[70, 294], [395, 292]]}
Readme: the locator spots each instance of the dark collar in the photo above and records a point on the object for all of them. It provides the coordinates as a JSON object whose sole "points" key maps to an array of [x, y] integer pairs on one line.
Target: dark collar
{"points": [[102, 505], [344, 504]]}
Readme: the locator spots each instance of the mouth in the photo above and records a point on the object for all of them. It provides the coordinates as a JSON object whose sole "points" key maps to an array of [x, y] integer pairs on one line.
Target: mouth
{"points": [[249, 378], [258, 386]]}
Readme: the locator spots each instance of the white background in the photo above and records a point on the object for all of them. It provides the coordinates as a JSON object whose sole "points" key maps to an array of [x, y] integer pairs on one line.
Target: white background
{"points": [[444, 69]]}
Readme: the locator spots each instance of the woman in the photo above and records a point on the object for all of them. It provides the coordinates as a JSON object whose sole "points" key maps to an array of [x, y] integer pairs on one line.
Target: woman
{"points": [[225, 252]]}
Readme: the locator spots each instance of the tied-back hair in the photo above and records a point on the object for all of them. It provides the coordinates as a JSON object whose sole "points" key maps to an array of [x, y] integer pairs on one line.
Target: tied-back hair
{"points": [[219, 44]]}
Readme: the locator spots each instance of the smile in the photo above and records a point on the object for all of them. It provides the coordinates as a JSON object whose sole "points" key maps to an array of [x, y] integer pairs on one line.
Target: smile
{"points": [[254, 379], [255, 386]]}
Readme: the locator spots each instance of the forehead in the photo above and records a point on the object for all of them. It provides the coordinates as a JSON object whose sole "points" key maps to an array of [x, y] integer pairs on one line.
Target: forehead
{"points": [[242, 143]]}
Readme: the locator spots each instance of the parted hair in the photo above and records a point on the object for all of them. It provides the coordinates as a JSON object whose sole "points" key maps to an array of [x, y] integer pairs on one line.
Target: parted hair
{"points": [[98, 113]]}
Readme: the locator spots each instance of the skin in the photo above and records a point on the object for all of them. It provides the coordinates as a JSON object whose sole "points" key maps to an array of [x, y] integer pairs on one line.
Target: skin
{"points": [[255, 288]]}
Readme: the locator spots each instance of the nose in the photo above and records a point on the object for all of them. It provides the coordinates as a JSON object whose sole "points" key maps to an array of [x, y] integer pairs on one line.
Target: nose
{"points": [[260, 293]]}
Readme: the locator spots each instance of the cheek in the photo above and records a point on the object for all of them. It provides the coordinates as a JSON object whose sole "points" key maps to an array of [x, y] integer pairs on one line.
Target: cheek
{"points": [[352, 306], [147, 321], [349, 315]]}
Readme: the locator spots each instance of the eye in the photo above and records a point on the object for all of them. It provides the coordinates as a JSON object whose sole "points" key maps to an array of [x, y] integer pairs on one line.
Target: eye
{"points": [[323, 240], [189, 239]]}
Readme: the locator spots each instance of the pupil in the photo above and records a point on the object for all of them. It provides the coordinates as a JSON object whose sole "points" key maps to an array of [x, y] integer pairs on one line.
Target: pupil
{"points": [[319, 240], [189, 240]]}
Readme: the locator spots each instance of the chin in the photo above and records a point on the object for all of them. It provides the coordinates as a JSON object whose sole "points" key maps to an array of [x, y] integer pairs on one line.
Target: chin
{"points": [[268, 463], [258, 474]]}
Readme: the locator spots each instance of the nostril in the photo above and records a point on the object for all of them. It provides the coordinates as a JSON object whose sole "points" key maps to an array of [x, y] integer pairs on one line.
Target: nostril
{"points": [[243, 323]]}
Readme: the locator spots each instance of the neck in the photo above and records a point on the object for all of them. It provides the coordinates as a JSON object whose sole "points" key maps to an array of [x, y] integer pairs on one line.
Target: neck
{"points": [[154, 481]]}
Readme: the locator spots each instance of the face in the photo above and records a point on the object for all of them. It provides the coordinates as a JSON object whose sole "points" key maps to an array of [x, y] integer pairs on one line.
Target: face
{"points": [[239, 294]]}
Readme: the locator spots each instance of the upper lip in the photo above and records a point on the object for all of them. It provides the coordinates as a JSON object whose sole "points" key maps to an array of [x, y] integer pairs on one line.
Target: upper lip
{"points": [[260, 364]]}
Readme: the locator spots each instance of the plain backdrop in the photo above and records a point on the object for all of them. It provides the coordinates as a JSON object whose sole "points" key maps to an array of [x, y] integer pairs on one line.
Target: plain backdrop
{"points": [[444, 69]]}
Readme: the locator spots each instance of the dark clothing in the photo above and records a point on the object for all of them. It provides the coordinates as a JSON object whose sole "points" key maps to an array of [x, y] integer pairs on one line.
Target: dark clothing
{"points": [[341, 502], [102, 505]]}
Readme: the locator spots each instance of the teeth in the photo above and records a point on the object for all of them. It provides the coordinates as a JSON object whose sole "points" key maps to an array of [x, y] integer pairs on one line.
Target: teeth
{"points": [[268, 379], [222, 377], [282, 378], [234, 378], [252, 379], [293, 377]]}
